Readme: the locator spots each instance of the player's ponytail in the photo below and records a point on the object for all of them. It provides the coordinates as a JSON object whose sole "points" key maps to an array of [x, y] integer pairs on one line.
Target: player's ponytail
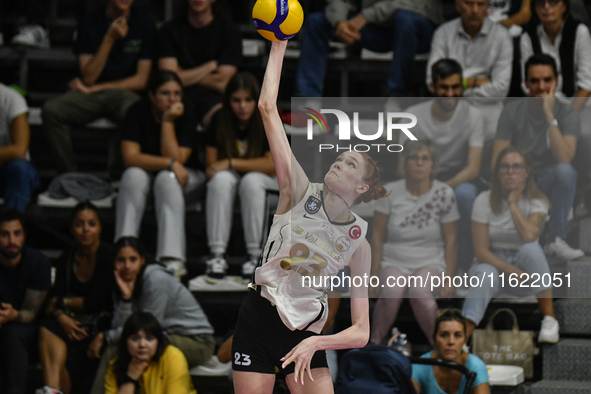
{"points": [[372, 177]]}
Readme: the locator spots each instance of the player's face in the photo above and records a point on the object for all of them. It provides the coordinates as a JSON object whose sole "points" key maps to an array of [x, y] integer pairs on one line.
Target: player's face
{"points": [[550, 11], [513, 172], [122, 5], [420, 165], [243, 105], [472, 12], [449, 340], [128, 263], [86, 227], [200, 6], [165, 96], [347, 170], [142, 346], [446, 90], [12, 239], [540, 80]]}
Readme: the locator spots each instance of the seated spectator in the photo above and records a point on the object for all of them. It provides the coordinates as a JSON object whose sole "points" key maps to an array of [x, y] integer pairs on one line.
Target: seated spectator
{"points": [[548, 129], [510, 12], [507, 221], [450, 337], [456, 129], [484, 49], [114, 48], [414, 233], [156, 148], [25, 278], [405, 27], [145, 361], [557, 33], [204, 48], [151, 288], [80, 300], [238, 163], [18, 178]]}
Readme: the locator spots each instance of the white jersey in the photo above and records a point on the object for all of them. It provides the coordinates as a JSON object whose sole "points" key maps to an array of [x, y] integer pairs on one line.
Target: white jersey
{"points": [[303, 250]]}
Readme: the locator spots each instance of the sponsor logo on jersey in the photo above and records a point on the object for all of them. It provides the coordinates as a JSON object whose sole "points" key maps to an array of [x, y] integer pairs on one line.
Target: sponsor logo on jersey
{"points": [[355, 232], [323, 246], [312, 205], [298, 230], [343, 244], [327, 228]]}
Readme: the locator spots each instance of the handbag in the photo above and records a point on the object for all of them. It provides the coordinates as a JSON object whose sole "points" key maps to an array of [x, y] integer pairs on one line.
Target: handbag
{"points": [[506, 347]]}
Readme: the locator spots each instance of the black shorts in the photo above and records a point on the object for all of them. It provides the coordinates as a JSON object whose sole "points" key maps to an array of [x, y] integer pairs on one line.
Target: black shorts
{"points": [[261, 339]]}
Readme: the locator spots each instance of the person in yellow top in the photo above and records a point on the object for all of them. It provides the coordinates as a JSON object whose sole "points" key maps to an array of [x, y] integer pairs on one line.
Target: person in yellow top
{"points": [[146, 363]]}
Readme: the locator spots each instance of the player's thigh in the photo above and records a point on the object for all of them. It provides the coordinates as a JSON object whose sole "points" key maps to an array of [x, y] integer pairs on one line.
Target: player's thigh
{"points": [[253, 382], [322, 383]]}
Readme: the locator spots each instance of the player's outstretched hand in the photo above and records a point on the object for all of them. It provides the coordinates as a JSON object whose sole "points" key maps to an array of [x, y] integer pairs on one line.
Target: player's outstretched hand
{"points": [[301, 355]]}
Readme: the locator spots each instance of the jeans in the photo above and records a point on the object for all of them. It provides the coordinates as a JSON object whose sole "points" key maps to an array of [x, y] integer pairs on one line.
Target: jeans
{"points": [[559, 186], [17, 341], [407, 35], [530, 258], [18, 180], [465, 195]]}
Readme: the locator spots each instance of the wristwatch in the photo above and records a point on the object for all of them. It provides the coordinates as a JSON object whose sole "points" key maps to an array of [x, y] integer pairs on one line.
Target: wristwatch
{"points": [[128, 379]]}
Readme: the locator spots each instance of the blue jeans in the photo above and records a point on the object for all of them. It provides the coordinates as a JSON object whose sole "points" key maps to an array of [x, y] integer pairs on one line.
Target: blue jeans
{"points": [[530, 258], [407, 34], [18, 179], [465, 195], [559, 186]]}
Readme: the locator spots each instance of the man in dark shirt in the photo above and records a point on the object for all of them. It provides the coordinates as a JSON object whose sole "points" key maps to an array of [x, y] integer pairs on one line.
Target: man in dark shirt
{"points": [[115, 50], [548, 129], [25, 278], [204, 48]]}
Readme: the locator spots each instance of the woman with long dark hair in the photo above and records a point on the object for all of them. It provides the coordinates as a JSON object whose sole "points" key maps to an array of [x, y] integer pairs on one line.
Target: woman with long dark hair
{"points": [[78, 305], [156, 148], [238, 163], [151, 288], [146, 362], [506, 223]]}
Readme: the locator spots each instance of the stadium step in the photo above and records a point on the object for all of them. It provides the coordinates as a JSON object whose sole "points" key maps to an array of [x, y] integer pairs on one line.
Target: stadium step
{"points": [[560, 387], [574, 316], [569, 359], [580, 274]]}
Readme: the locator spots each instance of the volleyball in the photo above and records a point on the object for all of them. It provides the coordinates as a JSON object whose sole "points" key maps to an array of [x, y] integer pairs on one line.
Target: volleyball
{"points": [[277, 20]]}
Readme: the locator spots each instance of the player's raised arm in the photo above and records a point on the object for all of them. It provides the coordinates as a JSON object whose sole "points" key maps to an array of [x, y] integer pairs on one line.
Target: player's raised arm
{"points": [[292, 180]]}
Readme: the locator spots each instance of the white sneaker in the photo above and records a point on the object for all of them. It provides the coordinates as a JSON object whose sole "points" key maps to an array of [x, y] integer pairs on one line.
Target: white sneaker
{"points": [[562, 250], [32, 36], [176, 267], [47, 390], [248, 267], [549, 330], [216, 268]]}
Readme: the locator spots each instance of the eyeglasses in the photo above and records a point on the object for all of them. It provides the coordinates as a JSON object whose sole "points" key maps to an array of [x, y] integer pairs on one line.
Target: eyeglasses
{"points": [[416, 158], [542, 3], [514, 167]]}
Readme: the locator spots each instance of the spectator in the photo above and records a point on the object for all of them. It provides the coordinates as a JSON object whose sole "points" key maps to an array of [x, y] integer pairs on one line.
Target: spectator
{"points": [[156, 148], [25, 278], [146, 360], [556, 33], [485, 52], [456, 128], [80, 300], [150, 288], [510, 12], [414, 233], [548, 129], [450, 337], [507, 221], [204, 48], [114, 48], [404, 26], [238, 162], [18, 178]]}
